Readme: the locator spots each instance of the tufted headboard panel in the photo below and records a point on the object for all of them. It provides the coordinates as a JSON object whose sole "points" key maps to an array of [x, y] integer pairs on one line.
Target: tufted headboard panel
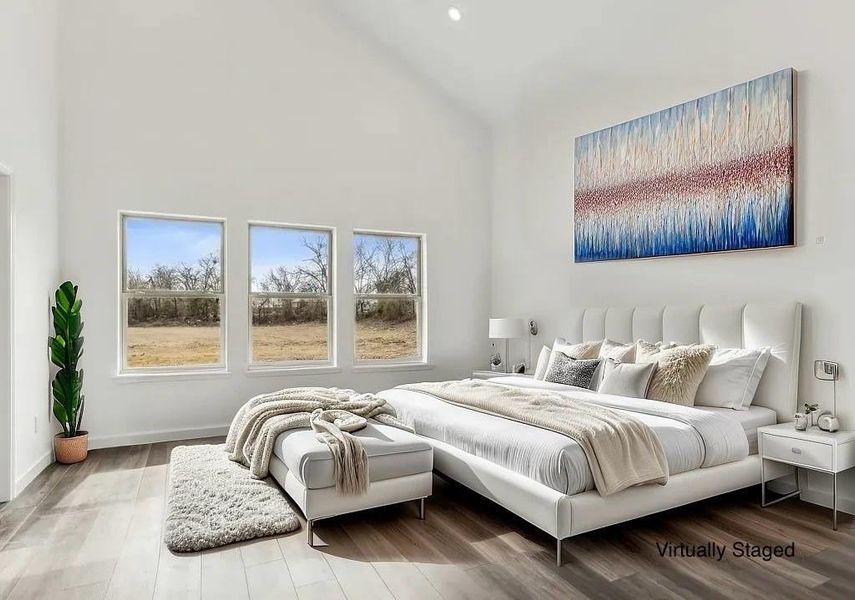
{"points": [[775, 325]]}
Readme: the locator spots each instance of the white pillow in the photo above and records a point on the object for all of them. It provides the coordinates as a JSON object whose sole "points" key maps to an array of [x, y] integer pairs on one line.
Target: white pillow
{"points": [[542, 363], [732, 378], [611, 350]]}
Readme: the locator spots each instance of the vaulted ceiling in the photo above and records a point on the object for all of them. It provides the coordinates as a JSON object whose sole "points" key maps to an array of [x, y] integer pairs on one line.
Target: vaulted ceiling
{"points": [[503, 48]]}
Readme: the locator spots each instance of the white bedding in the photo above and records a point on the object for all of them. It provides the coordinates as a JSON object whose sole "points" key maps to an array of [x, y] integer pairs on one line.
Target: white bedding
{"points": [[692, 438], [750, 419]]}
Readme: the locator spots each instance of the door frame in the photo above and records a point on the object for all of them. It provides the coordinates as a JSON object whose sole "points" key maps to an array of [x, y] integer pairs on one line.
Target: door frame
{"points": [[7, 331]]}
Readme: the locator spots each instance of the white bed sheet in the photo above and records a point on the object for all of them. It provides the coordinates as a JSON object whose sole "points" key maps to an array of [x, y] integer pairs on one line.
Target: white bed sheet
{"points": [[751, 419], [550, 458]]}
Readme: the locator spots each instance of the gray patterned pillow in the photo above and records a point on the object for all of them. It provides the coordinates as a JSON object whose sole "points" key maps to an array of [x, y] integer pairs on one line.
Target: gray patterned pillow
{"points": [[569, 371]]}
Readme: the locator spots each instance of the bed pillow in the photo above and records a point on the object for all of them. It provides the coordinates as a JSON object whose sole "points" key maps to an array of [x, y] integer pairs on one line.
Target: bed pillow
{"points": [[679, 372], [616, 351], [569, 371], [542, 363], [627, 379], [732, 378], [611, 350], [581, 351]]}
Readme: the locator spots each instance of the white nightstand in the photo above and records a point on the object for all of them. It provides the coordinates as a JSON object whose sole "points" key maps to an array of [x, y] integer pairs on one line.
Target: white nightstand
{"points": [[813, 449], [487, 374]]}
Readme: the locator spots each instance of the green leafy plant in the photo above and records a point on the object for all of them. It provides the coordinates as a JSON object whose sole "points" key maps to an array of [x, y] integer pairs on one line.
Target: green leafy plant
{"points": [[66, 348]]}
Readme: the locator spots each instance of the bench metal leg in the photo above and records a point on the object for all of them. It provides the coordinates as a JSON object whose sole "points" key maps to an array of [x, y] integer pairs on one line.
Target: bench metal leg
{"points": [[310, 536], [421, 509], [558, 553]]}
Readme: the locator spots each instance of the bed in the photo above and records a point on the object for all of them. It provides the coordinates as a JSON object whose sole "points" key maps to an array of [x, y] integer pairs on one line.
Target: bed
{"points": [[542, 476]]}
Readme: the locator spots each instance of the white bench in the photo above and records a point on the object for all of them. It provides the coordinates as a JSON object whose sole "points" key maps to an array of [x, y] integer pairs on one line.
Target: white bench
{"points": [[400, 469]]}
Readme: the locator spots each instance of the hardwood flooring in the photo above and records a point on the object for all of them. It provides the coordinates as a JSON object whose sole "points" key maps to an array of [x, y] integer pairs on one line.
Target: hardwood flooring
{"points": [[93, 531]]}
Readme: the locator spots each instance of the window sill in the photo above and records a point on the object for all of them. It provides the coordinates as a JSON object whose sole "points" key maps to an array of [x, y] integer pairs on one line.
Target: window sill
{"points": [[371, 368], [286, 371], [153, 377]]}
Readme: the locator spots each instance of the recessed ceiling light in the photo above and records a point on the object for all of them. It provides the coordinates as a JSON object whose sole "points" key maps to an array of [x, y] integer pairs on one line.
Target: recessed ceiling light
{"points": [[454, 13]]}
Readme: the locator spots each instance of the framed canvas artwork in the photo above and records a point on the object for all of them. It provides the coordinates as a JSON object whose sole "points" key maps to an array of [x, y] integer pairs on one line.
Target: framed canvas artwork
{"points": [[712, 175]]}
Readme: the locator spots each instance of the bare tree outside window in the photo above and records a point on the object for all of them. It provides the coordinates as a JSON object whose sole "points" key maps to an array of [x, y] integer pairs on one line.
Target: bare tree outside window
{"points": [[290, 295], [388, 298], [172, 293]]}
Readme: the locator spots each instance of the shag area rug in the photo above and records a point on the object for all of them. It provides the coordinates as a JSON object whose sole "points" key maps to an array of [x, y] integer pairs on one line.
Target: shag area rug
{"points": [[213, 502]]}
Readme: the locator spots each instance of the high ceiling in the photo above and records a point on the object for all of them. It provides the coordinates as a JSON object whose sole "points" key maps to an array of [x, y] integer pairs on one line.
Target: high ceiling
{"points": [[503, 47]]}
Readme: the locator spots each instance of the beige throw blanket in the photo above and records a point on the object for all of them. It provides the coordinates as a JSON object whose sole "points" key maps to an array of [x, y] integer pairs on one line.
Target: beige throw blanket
{"points": [[331, 412], [621, 450]]}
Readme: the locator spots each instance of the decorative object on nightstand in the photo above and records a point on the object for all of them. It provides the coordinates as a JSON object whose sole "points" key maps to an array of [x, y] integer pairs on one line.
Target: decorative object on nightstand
{"points": [[800, 421], [518, 368], [815, 450], [826, 370], [507, 329], [485, 374], [810, 413], [495, 362]]}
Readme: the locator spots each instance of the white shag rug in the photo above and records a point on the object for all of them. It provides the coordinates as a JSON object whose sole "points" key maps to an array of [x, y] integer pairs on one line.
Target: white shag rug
{"points": [[214, 501]]}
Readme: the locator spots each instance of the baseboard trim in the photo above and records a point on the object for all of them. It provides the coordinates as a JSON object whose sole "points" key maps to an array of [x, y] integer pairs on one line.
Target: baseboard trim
{"points": [[151, 437], [824, 498], [37, 467]]}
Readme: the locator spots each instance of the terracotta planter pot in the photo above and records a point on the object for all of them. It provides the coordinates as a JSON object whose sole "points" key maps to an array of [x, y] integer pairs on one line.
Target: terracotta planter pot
{"points": [[71, 450]]}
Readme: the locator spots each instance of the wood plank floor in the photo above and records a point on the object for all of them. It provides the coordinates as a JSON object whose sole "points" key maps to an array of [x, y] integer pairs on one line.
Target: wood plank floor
{"points": [[93, 530]]}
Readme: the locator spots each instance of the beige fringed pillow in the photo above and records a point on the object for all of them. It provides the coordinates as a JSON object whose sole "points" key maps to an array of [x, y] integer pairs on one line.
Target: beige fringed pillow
{"points": [[679, 371]]}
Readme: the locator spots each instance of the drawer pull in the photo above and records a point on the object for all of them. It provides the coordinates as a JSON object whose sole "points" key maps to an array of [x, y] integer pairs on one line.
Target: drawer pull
{"points": [[797, 451]]}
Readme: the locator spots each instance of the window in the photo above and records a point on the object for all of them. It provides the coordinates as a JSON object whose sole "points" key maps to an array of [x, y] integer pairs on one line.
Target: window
{"points": [[290, 295], [387, 286], [172, 293]]}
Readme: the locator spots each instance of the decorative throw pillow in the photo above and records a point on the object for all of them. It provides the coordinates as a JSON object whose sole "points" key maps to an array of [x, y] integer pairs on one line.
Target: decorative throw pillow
{"points": [[645, 347], [566, 370], [616, 351], [627, 379], [583, 350], [679, 372], [732, 378], [542, 363]]}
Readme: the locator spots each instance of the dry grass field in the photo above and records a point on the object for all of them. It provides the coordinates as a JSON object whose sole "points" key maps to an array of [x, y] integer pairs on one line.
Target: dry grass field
{"points": [[154, 346]]}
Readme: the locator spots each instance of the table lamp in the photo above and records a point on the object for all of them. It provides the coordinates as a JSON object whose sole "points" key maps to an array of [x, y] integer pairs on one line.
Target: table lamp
{"points": [[507, 329]]}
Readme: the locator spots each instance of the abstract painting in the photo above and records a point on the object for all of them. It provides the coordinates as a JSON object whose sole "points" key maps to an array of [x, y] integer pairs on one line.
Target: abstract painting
{"points": [[711, 175]]}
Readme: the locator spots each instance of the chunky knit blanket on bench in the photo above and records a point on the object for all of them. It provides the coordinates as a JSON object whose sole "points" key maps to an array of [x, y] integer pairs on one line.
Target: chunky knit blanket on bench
{"points": [[331, 412]]}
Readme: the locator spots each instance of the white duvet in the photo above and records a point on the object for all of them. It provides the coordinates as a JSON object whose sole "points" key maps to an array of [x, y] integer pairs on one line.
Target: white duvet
{"points": [[692, 438]]}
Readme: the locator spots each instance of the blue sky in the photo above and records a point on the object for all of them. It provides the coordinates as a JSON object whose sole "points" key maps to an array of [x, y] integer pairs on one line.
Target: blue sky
{"points": [[275, 246], [152, 241], [168, 242]]}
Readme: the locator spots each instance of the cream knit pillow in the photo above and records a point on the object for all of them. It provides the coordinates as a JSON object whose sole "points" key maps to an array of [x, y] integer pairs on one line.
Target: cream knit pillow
{"points": [[679, 372]]}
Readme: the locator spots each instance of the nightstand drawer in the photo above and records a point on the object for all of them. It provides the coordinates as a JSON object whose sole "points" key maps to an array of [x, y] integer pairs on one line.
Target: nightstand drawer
{"points": [[803, 452]]}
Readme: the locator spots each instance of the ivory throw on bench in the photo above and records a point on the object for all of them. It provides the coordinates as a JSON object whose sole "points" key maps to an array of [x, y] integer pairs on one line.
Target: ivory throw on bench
{"points": [[621, 450], [331, 412]]}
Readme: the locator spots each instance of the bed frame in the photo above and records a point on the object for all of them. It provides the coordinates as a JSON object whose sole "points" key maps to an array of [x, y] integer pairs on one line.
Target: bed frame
{"points": [[777, 326]]}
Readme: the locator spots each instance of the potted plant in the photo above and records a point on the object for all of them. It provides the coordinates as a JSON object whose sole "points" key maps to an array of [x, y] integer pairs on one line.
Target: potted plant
{"points": [[66, 348]]}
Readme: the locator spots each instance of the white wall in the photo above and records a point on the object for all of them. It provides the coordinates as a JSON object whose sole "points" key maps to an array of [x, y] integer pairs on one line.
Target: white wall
{"points": [[684, 52], [28, 146], [265, 110]]}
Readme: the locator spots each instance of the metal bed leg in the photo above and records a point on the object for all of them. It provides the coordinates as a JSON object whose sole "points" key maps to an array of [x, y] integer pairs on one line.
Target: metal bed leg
{"points": [[558, 552], [421, 509], [310, 536]]}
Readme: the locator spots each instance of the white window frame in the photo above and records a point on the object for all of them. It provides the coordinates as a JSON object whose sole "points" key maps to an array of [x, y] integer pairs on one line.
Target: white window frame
{"points": [[125, 295], [420, 298], [330, 296]]}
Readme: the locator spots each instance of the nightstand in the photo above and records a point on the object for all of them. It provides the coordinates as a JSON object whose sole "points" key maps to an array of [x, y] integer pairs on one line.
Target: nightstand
{"points": [[813, 449], [487, 374]]}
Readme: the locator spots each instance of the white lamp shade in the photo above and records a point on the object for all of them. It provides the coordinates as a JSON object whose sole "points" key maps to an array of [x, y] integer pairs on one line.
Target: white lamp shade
{"points": [[507, 328]]}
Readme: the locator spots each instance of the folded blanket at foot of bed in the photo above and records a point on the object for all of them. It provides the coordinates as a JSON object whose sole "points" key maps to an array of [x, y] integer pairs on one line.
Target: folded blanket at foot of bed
{"points": [[621, 450], [331, 412]]}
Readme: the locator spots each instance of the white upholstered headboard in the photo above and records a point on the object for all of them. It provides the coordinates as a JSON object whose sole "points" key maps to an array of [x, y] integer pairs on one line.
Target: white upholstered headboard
{"points": [[776, 325]]}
